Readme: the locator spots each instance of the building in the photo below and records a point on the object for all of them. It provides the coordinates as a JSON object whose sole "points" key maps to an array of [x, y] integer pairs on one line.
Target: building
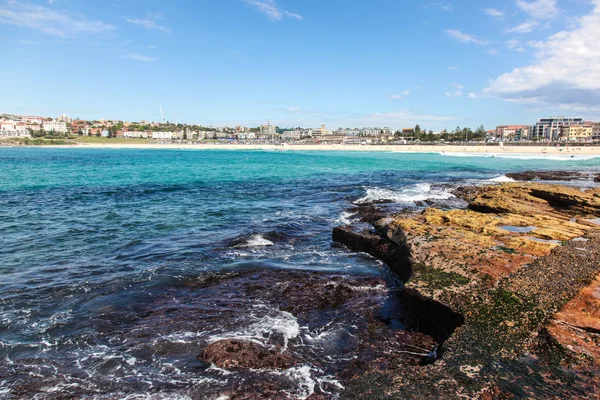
{"points": [[347, 131], [331, 138], [577, 133], [552, 128], [296, 134], [13, 129], [322, 131], [511, 133], [596, 131], [135, 135], [162, 135], [268, 131], [246, 135], [55, 126]]}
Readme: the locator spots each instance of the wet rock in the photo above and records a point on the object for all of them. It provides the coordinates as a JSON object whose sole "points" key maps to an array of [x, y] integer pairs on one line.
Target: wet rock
{"points": [[235, 354], [506, 264], [553, 176]]}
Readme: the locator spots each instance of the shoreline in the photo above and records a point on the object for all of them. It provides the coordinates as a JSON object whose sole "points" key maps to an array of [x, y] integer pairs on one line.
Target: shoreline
{"points": [[478, 149]]}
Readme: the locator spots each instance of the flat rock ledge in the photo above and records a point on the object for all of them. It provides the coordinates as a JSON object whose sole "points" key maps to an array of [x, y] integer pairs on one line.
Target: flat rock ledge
{"points": [[521, 264]]}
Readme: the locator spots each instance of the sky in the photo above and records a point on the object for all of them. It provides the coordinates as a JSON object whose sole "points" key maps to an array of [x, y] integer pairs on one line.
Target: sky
{"points": [[439, 64]]}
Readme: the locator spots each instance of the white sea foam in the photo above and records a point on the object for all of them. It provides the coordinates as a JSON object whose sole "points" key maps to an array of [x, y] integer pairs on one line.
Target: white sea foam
{"points": [[524, 156], [258, 241], [255, 241], [410, 194], [284, 324], [346, 218], [303, 378], [502, 178]]}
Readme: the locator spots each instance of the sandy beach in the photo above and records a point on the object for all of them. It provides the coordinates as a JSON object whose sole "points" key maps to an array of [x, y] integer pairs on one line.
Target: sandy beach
{"points": [[544, 150]]}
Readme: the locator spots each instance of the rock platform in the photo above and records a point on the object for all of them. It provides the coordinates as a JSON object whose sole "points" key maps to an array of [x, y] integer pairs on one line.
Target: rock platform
{"points": [[521, 264]]}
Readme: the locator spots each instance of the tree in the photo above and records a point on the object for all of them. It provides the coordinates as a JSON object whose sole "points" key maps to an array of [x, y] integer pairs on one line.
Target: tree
{"points": [[417, 130]]}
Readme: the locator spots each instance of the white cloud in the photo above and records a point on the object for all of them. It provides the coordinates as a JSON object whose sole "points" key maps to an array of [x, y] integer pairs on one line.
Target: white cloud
{"points": [[457, 86], [272, 10], [492, 12], [441, 5], [398, 96], [492, 52], [452, 68], [472, 95], [567, 69], [540, 9], [465, 37], [458, 93], [139, 57], [29, 42], [514, 44], [148, 24], [525, 27], [57, 23]]}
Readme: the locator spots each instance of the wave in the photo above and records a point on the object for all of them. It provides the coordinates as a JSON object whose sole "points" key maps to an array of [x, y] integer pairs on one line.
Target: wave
{"points": [[502, 178], [256, 241], [411, 194], [524, 156]]}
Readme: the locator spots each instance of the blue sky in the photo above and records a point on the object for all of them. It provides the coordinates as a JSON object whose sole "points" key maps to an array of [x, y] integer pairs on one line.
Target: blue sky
{"points": [[303, 62]]}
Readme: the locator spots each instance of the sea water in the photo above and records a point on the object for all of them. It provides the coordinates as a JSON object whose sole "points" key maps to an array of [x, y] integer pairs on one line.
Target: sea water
{"points": [[92, 240]]}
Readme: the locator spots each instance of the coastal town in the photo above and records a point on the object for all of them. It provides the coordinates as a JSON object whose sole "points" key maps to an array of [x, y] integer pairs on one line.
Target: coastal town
{"points": [[546, 130]]}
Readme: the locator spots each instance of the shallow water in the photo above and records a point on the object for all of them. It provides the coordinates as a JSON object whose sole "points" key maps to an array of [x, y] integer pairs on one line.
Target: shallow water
{"points": [[91, 240]]}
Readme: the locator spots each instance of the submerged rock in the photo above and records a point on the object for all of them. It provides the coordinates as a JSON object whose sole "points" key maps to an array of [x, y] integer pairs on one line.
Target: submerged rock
{"points": [[234, 354], [553, 176]]}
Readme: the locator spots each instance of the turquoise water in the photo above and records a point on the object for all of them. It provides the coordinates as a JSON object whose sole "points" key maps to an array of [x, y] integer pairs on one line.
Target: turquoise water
{"points": [[85, 234]]}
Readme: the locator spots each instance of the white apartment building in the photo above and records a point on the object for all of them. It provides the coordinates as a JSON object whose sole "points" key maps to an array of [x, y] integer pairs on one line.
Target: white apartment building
{"points": [[296, 134], [12, 129], [246, 135], [55, 126], [135, 135], [162, 135], [322, 131]]}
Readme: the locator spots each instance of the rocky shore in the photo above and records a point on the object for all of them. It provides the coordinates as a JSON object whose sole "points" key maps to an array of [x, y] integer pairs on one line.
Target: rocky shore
{"points": [[520, 265]]}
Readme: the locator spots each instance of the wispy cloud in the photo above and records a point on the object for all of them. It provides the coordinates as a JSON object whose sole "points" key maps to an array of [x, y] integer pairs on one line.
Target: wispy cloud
{"points": [[445, 6], [29, 42], [525, 27], [56, 23], [473, 95], [272, 10], [493, 52], [492, 12], [149, 23], [139, 57], [398, 96], [540, 9], [515, 44], [457, 86], [452, 68], [458, 93], [465, 37]]}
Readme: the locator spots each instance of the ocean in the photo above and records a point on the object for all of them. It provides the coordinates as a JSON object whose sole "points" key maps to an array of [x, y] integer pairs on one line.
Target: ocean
{"points": [[114, 264]]}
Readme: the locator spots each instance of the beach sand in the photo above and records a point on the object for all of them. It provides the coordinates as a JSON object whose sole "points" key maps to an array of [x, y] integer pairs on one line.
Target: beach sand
{"points": [[338, 147]]}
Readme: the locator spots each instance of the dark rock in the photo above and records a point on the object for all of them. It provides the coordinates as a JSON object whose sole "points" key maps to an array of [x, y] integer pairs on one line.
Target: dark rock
{"points": [[552, 176], [236, 354], [394, 255]]}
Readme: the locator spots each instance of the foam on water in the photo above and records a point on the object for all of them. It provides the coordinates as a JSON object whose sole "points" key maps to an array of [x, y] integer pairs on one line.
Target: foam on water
{"points": [[257, 241], [282, 326], [502, 178], [524, 156], [410, 194]]}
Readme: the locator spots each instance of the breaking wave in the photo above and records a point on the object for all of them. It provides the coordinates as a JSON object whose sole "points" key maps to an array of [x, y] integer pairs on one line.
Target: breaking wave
{"points": [[524, 156], [410, 194]]}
